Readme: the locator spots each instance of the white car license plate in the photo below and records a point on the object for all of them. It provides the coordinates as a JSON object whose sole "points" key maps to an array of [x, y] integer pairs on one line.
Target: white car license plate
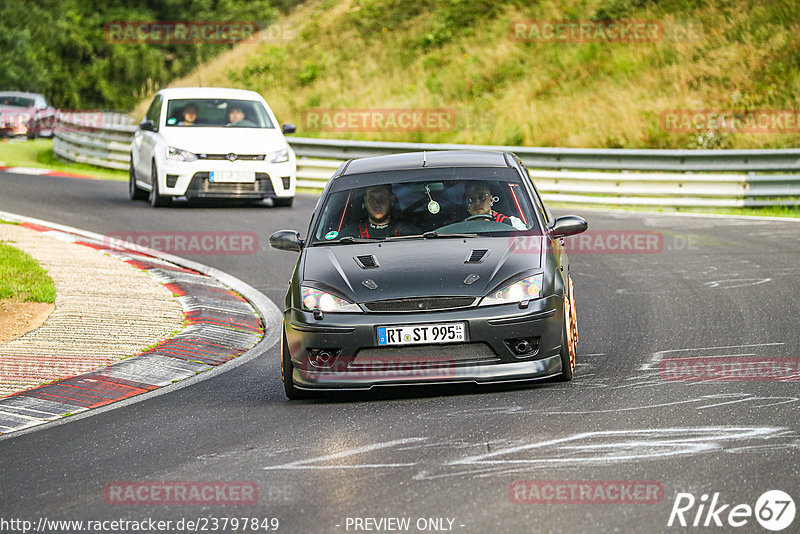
{"points": [[423, 333], [232, 176]]}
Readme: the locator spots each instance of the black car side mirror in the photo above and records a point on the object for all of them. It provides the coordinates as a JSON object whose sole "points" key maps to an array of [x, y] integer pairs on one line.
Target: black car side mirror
{"points": [[147, 125], [568, 225], [288, 128], [286, 240]]}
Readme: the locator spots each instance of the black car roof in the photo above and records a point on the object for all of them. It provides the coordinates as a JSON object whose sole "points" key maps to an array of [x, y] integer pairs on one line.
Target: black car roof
{"points": [[418, 160]]}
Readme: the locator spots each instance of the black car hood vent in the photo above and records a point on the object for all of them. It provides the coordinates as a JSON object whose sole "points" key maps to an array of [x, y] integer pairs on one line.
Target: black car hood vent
{"points": [[367, 261], [477, 256]]}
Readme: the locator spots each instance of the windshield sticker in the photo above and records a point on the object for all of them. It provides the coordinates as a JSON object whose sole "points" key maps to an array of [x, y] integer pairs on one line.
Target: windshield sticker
{"points": [[331, 235], [172, 120]]}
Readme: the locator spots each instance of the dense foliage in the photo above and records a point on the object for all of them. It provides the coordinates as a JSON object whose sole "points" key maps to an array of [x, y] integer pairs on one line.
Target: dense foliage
{"points": [[59, 47]]}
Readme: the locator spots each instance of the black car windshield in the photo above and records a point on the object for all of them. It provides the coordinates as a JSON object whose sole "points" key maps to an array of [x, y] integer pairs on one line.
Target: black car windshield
{"points": [[219, 112], [427, 204], [16, 101]]}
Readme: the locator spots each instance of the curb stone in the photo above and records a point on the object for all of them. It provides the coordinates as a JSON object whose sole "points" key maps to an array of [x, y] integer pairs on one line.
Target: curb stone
{"points": [[221, 325]]}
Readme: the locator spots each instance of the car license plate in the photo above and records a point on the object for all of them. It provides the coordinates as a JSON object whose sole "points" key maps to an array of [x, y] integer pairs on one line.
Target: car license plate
{"points": [[232, 176], [423, 333]]}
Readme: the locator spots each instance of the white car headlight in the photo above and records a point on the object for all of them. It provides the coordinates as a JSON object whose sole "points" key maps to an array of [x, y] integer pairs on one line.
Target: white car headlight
{"points": [[316, 299], [529, 288], [278, 157], [176, 154]]}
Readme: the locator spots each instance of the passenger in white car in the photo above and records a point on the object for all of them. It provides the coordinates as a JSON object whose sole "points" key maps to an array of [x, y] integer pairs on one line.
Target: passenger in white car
{"points": [[236, 117]]}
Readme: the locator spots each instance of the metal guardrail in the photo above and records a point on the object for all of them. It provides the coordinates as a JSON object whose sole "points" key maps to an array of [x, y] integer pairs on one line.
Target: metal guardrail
{"points": [[726, 178]]}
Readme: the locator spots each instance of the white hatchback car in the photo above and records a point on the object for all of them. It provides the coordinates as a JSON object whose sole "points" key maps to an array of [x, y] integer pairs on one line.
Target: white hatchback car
{"points": [[208, 142]]}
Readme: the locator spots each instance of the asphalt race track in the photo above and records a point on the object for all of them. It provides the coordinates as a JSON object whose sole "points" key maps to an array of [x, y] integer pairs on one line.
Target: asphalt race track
{"points": [[704, 287]]}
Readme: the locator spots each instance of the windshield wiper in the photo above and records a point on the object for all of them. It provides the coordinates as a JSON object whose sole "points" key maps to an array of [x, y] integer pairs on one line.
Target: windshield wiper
{"points": [[428, 235], [434, 234], [347, 240]]}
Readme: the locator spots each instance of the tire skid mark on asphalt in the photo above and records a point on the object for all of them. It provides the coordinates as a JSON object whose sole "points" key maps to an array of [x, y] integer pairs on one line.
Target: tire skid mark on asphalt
{"points": [[596, 448], [733, 283], [316, 463], [604, 448], [651, 373], [653, 363], [702, 402]]}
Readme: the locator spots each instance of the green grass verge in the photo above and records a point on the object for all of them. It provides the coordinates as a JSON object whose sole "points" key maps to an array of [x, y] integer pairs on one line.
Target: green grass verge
{"points": [[21, 277], [39, 154]]}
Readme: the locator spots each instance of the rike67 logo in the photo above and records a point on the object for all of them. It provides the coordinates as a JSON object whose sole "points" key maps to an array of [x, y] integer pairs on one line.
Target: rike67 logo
{"points": [[774, 510]]}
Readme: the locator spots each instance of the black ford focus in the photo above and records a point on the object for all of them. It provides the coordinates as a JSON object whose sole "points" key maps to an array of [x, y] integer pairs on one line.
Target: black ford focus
{"points": [[428, 267]]}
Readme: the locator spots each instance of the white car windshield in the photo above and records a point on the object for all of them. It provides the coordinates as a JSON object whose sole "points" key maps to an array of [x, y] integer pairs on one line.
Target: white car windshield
{"points": [[217, 113], [16, 101]]}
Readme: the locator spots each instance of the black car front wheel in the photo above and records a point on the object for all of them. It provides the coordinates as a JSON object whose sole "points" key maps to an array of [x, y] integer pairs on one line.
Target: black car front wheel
{"points": [[569, 336]]}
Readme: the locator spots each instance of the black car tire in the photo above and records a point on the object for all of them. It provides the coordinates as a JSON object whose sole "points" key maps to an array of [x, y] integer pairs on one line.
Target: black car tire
{"points": [[292, 393], [156, 200], [134, 191], [282, 202], [568, 337]]}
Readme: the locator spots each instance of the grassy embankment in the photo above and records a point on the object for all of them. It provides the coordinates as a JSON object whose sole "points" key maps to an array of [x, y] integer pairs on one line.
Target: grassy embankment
{"points": [[462, 56], [22, 278]]}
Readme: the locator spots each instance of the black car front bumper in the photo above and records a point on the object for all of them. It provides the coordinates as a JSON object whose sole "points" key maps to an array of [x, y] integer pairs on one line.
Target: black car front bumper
{"points": [[488, 355]]}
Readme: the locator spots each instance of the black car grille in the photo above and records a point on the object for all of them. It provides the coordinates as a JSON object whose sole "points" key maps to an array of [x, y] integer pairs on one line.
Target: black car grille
{"points": [[423, 355], [201, 186], [419, 304]]}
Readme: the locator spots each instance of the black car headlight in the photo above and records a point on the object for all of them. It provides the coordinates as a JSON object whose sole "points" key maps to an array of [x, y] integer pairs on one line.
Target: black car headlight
{"points": [[316, 299], [529, 288]]}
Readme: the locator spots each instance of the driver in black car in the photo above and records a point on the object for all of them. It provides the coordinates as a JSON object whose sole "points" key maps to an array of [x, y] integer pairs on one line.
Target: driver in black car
{"points": [[479, 201], [378, 201]]}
